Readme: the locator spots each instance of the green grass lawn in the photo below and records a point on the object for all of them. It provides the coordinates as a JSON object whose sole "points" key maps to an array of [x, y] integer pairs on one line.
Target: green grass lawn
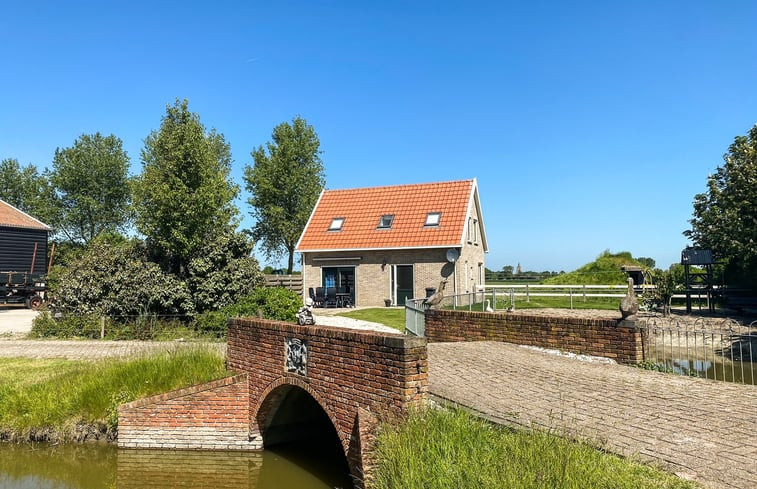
{"points": [[394, 317], [441, 449], [47, 399]]}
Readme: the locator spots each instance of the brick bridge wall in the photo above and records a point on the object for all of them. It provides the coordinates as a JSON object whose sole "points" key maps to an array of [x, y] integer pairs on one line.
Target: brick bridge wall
{"points": [[354, 376], [611, 338], [211, 416]]}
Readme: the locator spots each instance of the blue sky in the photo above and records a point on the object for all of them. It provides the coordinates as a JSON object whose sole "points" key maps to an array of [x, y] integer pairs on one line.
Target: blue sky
{"points": [[589, 125]]}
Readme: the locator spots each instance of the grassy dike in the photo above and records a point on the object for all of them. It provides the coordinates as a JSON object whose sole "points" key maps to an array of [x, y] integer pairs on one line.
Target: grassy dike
{"points": [[65, 400], [440, 449]]}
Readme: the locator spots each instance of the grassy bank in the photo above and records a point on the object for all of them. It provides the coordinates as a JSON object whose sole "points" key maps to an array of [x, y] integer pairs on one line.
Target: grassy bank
{"points": [[443, 449], [64, 400], [394, 317]]}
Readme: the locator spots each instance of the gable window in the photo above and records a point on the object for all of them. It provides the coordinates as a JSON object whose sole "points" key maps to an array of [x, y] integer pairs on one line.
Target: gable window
{"points": [[336, 224], [386, 221], [433, 218], [470, 229], [475, 231]]}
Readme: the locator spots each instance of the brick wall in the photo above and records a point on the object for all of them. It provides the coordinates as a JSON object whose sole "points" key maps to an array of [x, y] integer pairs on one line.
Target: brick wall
{"points": [[348, 372], [611, 338], [208, 416], [373, 270]]}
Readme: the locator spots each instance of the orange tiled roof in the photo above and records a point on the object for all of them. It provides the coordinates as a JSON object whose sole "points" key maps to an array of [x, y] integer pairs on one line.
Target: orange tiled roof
{"points": [[363, 207], [12, 217]]}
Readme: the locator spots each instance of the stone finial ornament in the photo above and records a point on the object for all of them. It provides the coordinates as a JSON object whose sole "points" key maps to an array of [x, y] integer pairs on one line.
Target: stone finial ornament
{"points": [[629, 306]]}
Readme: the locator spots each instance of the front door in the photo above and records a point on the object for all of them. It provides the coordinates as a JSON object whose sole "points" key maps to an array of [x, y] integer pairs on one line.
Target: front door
{"points": [[403, 283]]}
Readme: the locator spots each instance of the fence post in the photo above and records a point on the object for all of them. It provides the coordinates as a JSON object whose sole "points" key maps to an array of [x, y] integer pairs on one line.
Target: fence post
{"points": [[528, 298], [570, 290], [102, 327], [494, 299], [584, 291]]}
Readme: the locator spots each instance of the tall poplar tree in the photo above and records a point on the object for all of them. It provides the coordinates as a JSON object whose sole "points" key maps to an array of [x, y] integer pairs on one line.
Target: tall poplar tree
{"points": [[285, 181], [184, 193]]}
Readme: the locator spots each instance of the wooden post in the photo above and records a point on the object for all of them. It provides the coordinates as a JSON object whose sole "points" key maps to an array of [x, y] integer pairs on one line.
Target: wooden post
{"points": [[102, 327]]}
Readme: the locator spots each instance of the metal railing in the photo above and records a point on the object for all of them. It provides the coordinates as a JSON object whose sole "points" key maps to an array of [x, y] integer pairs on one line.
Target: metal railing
{"points": [[713, 349]]}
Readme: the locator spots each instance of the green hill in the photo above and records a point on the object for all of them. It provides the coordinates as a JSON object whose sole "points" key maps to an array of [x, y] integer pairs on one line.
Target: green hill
{"points": [[605, 270]]}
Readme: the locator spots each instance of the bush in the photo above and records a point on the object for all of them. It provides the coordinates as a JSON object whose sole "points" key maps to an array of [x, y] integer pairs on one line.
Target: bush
{"points": [[273, 303], [46, 326], [223, 272], [117, 280]]}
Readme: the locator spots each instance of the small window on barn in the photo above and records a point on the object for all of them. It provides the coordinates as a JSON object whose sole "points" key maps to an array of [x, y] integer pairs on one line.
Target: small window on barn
{"points": [[386, 221], [336, 224], [433, 218]]}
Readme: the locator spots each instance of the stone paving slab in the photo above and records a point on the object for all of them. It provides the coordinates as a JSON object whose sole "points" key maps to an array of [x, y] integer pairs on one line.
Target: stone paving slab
{"points": [[699, 429], [91, 349]]}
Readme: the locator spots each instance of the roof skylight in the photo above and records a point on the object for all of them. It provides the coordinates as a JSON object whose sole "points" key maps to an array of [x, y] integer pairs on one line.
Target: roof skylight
{"points": [[433, 218], [386, 221], [336, 224]]}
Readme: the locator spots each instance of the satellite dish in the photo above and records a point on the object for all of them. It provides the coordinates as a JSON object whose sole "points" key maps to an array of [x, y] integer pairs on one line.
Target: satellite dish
{"points": [[452, 255]]}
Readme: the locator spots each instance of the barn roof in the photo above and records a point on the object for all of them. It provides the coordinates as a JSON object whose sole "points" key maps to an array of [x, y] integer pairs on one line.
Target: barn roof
{"points": [[407, 210], [15, 218]]}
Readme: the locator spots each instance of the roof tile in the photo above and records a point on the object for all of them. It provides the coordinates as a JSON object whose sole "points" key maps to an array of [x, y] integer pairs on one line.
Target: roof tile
{"points": [[363, 207]]}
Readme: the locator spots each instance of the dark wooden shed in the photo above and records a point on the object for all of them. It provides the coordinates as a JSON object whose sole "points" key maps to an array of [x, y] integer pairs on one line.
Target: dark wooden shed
{"points": [[19, 233]]}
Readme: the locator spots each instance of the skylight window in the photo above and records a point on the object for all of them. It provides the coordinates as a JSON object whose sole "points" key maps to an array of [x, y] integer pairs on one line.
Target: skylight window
{"points": [[433, 218], [386, 221], [336, 224]]}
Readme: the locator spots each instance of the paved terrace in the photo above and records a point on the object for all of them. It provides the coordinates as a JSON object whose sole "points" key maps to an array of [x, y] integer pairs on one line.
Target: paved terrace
{"points": [[701, 430]]}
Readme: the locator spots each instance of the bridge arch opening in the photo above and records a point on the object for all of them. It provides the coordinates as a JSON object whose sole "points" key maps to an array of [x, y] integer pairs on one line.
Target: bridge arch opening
{"points": [[294, 425]]}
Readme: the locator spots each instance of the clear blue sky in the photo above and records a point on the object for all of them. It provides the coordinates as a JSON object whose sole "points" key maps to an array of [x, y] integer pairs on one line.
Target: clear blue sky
{"points": [[589, 125]]}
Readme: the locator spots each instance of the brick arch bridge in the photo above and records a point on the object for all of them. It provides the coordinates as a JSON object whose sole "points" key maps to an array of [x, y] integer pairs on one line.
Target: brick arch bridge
{"points": [[353, 376], [287, 375]]}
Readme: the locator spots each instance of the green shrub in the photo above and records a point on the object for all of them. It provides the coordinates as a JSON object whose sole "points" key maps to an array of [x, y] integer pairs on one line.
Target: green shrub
{"points": [[272, 302], [118, 280], [47, 326]]}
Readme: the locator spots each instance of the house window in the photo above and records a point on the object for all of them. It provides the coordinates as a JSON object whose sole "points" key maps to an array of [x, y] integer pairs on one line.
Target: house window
{"points": [[475, 231], [336, 224], [386, 221], [470, 219], [433, 218]]}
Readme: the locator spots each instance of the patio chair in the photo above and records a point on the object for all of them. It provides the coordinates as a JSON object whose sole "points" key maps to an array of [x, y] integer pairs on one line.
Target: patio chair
{"points": [[320, 297], [331, 297]]}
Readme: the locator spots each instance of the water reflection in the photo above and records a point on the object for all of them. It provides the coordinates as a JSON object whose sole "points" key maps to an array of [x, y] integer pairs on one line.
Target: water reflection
{"points": [[103, 466]]}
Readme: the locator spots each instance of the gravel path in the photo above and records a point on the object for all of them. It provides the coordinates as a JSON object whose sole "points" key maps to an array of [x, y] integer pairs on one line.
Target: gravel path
{"points": [[702, 430]]}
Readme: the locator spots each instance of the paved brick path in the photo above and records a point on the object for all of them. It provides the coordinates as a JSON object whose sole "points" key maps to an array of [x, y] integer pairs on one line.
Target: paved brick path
{"points": [[699, 429], [90, 350]]}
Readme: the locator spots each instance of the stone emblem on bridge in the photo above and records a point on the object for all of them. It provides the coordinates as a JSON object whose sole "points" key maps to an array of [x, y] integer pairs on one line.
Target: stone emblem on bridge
{"points": [[296, 356]]}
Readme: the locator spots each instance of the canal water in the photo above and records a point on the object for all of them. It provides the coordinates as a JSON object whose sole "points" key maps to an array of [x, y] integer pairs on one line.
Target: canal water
{"points": [[98, 466]]}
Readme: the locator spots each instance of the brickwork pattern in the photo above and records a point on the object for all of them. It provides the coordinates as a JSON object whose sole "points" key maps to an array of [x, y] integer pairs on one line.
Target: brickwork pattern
{"points": [[700, 429], [373, 270], [211, 416], [347, 370], [611, 338]]}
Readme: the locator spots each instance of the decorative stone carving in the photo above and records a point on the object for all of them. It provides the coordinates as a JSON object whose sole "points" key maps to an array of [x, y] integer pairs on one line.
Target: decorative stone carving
{"points": [[296, 356], [629, 306]]}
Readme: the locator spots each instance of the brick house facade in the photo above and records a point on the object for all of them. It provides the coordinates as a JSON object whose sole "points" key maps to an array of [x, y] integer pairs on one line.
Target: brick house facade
{"points": [[390, 243]]}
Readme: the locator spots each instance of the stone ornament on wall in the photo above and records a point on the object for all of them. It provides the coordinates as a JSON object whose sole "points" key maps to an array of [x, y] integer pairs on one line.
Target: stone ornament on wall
{"points": [[296, 356]]}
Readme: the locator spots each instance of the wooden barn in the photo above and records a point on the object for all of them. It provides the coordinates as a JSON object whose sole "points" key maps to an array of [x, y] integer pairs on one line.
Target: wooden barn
{"points": [[23, 256]]}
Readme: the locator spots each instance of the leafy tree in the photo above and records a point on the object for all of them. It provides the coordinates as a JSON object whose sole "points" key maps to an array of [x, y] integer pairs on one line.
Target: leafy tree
{"points": [[184, 193], [725, 216], [224, 271], [118, 280], [285, 182], [645, 261], [507, 270], [91, 184], [26, 189]]}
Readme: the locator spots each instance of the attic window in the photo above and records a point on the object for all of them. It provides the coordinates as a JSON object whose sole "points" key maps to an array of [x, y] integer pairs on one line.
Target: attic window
{"points": [[386, 221], [336, 224], [433, 218]]}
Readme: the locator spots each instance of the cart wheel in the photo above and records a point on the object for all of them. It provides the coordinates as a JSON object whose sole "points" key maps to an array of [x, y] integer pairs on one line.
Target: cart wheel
{"points": [[35, 302]]}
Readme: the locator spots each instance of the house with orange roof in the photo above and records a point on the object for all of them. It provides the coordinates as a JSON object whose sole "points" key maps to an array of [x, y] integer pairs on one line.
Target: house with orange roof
{"points": [[383, 245]]}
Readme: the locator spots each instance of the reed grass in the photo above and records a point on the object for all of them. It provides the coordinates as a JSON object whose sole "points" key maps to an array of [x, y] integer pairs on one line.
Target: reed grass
{"points": [[63, 400], [451, 448]]}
